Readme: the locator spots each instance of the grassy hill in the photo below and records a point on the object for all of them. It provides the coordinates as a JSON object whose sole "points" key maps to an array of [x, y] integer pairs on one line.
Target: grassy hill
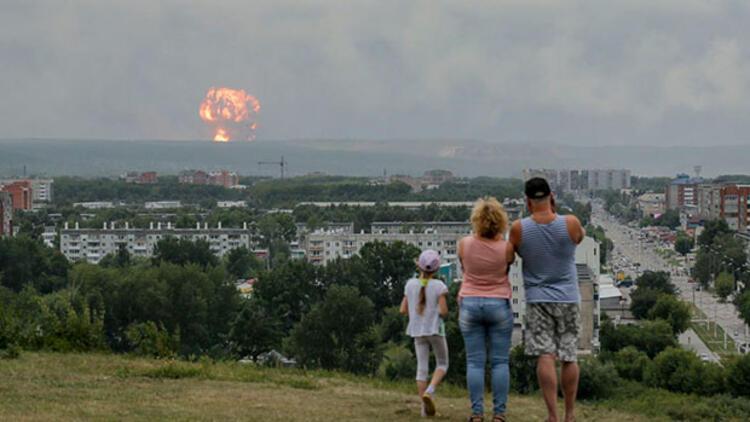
{"points": [[46, 386]]}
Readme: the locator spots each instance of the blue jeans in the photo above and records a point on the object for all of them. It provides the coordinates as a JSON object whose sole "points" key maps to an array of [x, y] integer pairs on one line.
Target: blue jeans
{"points": [[487, 323]]}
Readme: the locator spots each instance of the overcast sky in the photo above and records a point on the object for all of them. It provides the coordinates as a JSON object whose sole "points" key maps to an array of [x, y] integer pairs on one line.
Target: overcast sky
{"points": [[600, 72]]}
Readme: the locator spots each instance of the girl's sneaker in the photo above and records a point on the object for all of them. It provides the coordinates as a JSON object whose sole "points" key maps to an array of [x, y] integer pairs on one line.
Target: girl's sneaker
{"points": [[428, 404]]}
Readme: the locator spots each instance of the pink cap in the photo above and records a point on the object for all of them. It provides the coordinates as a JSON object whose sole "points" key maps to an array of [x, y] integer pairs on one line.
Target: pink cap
{"points": [[429, 261]]}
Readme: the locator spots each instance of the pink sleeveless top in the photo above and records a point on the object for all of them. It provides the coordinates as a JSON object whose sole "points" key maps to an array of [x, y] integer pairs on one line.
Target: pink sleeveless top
{"points": [[485, 268]]}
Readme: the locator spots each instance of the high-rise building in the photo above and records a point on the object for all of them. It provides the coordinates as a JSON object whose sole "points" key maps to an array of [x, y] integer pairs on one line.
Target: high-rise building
{"points": [[581, 180], [6, 214], [21, 193], [682, 192], [735, 200]]}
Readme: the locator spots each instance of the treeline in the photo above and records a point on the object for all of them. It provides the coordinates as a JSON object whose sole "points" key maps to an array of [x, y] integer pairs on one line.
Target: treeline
{"points": [[275, 193]]}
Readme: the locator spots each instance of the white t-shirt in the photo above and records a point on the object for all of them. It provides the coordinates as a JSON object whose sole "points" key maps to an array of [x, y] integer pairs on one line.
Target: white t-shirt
{"points": [[429, 323]]}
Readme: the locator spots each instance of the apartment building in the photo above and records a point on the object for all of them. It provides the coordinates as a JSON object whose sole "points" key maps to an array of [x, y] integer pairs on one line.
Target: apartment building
{"points": [[162, 205], [581, 180], [6, 214], [456, 227], [709, 201], [323, 247], [735, 200], [682, 192], [651, 204], [144, 178], [21, 193], [92, 245], [41, 189]]}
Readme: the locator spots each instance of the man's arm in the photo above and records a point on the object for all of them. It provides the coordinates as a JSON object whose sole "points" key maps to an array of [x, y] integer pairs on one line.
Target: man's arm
{"points": [[515, 235], [575, 229]]}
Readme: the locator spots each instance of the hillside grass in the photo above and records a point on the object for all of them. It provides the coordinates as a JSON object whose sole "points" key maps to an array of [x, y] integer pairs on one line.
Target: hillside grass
{"points": [[48, 386]]}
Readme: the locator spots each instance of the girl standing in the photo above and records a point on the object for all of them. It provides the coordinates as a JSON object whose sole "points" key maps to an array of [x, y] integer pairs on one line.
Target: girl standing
{"points": [[425, 303]]}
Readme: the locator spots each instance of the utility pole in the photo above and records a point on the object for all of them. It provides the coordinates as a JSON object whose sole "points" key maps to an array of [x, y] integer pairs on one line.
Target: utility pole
{"points": [[281, 163]]}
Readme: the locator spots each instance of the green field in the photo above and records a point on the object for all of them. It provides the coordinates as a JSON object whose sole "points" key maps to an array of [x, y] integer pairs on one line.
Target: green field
{"points": [[47, 386]]}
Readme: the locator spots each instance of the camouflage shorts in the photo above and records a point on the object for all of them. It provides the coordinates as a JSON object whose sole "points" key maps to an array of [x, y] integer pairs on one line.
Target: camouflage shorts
{"points": [[552, 328]]}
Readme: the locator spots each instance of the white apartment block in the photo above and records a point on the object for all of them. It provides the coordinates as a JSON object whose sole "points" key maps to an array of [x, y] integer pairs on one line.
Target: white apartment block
{"points": [[162, 205], [231, 204], [323, 247], [94, 205], [94, 244]]}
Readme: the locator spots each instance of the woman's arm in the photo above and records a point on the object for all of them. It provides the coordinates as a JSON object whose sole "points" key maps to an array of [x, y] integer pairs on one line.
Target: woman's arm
{"points": [[443, 305], [404, 307]]}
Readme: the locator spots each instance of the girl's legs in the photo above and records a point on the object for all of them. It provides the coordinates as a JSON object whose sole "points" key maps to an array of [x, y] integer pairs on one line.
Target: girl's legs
{"points": [[440, 349], [422, 351], [500, 332], [474, 332]]}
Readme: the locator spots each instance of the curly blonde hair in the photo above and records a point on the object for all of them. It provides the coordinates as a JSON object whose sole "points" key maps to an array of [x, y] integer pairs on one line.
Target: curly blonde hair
{"points": [[488, 218]]}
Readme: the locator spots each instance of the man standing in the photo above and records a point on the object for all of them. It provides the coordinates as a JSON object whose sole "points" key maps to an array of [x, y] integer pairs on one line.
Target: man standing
{"points": [[547, 243]]}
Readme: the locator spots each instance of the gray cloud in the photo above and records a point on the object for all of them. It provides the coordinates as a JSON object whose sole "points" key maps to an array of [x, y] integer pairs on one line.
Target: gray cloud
{"points": [[585, 72]]}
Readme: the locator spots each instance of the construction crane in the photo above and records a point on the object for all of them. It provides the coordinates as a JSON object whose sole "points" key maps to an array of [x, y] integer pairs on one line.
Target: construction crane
{"points": [[281, 163]]}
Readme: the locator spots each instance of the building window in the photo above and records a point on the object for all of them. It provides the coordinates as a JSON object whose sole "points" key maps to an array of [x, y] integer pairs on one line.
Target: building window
{"points": [[515, 288], [515, 315], [515, 301]]}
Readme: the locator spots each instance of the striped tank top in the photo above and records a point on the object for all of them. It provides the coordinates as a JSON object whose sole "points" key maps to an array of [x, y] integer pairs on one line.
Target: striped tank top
{"points": [[549, 263]]}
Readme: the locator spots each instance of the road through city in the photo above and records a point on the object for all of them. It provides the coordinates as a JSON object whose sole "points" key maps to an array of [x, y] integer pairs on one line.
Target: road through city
{"points": [[633, 254]]}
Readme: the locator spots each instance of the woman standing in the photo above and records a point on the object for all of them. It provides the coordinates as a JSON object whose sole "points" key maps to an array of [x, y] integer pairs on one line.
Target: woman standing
{"points": [[485, 315]]}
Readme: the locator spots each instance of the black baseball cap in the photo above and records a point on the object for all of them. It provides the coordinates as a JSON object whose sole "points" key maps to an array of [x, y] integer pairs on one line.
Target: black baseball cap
{"points": [[537, 188]]}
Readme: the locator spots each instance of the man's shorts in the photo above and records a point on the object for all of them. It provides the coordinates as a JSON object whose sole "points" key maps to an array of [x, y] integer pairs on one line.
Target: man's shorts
{"points": [[552, 329]]}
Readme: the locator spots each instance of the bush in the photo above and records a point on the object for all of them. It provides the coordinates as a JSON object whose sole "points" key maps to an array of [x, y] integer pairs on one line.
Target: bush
{"points": [[631, 363], [398, 363], [650, 337], [672, 310], [149, 339], [598, 380], [682, 371], [522, 371], [11, 351], [738, 378]]}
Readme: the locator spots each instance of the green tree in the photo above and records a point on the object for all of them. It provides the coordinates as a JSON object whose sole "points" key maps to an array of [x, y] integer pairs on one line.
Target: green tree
{"points": [[672, 310], [671, 369], [332, 333], [657, 280], [388, 267], [724, 286], [631, 363], [711, 230], [642, 300], [683, 244], [671, 219], [650, 337], [738, 376], [743, 306], [183, 251], [241, 262], [254, 331], [289, 291]]}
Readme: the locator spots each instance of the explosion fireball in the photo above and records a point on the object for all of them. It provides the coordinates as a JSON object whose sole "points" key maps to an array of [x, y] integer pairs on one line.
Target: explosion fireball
{"points": [[231, 112]]}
